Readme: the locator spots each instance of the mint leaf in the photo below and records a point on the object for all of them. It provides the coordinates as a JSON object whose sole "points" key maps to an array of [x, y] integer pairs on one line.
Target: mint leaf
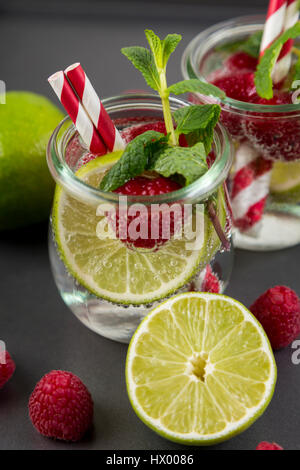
{"points": [[169, 45], [143, 60], [188, 163], [162, 49], [197, 122], [263, 78], [156, 47], [296, 72], [196, 86], [231, 47], [252, 45], [135, 159]]}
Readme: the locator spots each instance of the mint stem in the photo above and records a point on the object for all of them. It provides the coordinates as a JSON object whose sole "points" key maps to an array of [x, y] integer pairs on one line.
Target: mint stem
{"points": [[217, 226], [164, 95]]}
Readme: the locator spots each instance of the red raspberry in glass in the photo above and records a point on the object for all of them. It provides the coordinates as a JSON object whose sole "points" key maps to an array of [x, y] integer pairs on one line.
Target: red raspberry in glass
{"points": [[238, 87], [240, 61], [143, 222], [274, 135], [132, 132]]}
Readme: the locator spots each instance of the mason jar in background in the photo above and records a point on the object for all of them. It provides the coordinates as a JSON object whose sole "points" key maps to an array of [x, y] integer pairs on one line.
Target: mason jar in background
{"points": [[269, 132], [109, 284]]}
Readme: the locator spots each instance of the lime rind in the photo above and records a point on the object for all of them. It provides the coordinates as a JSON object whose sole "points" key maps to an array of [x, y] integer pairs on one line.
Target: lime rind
{"points": [[232, 429], [285, 182]]}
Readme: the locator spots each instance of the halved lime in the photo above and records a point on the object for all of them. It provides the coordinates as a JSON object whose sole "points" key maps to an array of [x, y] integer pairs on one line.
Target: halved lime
{"points": [[107, 267], [285, 181], [200, 369]]}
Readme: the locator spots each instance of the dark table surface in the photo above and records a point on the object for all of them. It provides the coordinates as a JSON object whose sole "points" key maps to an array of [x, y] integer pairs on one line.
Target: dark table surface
{"points": [[38, 38]]}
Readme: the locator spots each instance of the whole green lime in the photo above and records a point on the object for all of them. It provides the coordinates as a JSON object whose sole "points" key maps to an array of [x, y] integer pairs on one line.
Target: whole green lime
{"points": [[26, 123]]}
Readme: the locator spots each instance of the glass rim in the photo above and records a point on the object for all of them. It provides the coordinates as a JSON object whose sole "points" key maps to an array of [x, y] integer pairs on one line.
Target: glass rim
{"points": [[199, 189], [243, 24]]}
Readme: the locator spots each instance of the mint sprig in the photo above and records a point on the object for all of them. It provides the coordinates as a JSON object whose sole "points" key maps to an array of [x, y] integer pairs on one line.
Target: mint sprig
{"points": [[252, 45], [143, 60], [136, 158], [187, 163], [263, 74], [196, 86], [153, 64], [296, 72], [197, 122]]}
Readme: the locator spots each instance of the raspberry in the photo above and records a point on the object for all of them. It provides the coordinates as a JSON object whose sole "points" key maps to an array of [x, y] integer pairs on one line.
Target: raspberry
{"points": [[88, 157], [279, 98], [132, 132], [238, 87], [278, 310], [61, 406], [274, 135], [211, 282], [6, 370], [241, 61], [268, 446], [142, 186]]}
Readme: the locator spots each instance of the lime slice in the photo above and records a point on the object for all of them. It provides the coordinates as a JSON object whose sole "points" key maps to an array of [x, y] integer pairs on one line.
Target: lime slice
{"points": [[200, 369], [285, 181], [107, 267]]}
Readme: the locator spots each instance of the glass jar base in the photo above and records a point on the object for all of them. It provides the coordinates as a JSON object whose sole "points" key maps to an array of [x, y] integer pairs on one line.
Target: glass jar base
{"points": [[277, 231], [114, 321]]}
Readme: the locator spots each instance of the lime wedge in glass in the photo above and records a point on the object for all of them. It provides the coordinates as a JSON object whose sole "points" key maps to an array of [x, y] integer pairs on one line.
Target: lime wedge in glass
{"points": [[107, 267], [285, 182], [200, 369]]}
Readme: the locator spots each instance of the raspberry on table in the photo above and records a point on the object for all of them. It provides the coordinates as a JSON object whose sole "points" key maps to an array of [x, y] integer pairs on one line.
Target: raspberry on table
{"points": [[61, 407], [278, 310], [268, 446], [7, 369]]}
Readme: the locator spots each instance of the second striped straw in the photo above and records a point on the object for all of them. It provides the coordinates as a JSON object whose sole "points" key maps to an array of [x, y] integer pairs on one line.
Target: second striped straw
{"points": [[251, 179]]}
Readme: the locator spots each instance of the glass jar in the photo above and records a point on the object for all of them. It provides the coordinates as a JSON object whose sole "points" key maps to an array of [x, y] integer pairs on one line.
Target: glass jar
{"points": [[109, 283], [267, 132]]}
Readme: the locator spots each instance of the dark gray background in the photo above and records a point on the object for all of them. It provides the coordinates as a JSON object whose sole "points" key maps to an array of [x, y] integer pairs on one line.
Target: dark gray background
{"points": [[36, 39]]}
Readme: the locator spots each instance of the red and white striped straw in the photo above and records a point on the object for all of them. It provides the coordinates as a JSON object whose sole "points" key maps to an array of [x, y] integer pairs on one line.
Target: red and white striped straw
{"points": [[94, 107], [284, 61], [251, 180], [72, 105], [274, 23], [249, 189]]}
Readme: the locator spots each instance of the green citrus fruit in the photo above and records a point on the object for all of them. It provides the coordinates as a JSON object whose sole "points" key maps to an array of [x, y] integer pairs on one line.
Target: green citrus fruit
{"points": [[285, 182], [200, 369], [26, 123], [108, 268]]}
